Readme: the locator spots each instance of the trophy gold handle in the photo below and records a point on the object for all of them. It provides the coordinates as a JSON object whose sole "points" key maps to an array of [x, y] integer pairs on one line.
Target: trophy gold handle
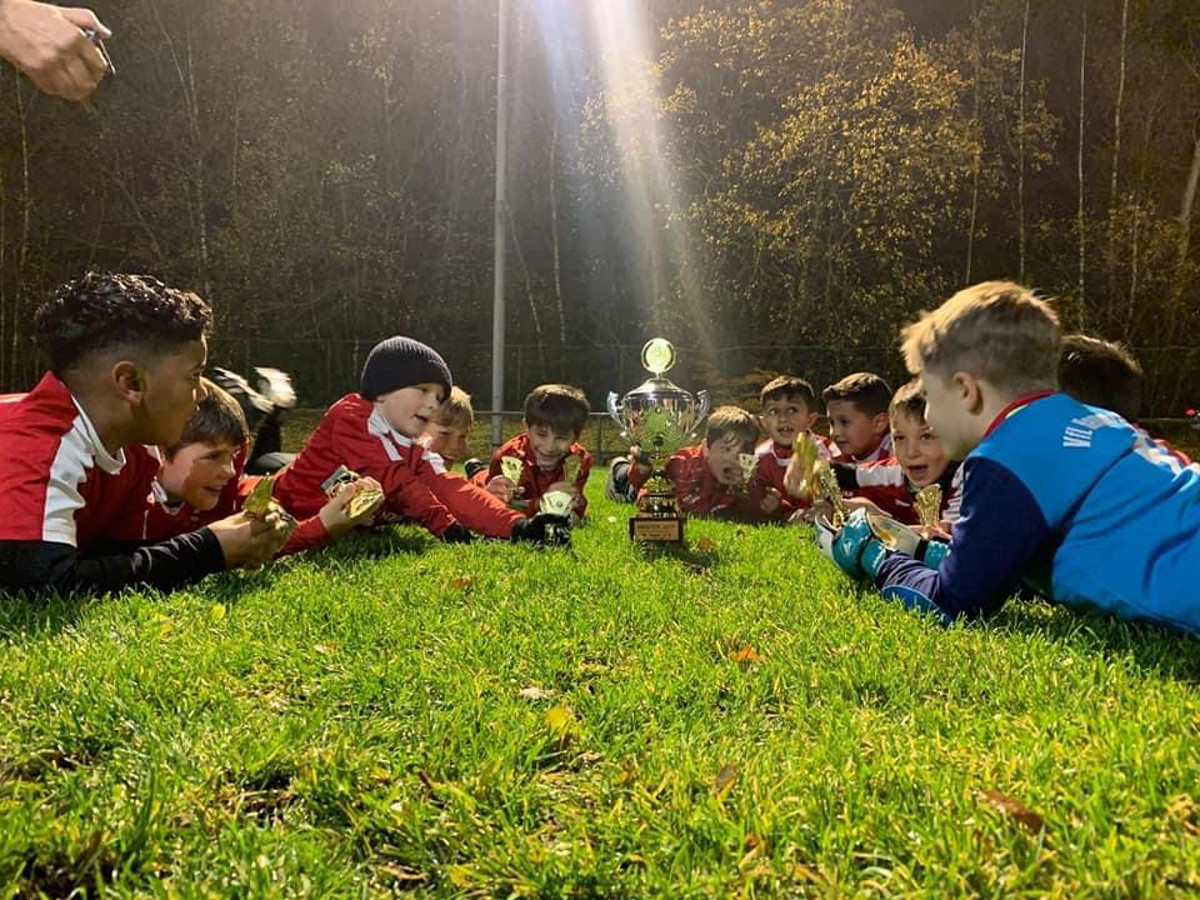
{"points": [[703, 407], [614, 409]]}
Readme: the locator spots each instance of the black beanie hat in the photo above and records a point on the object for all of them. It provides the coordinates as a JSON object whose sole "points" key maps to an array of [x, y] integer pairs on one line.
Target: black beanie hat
{"points": [[401, 362]]}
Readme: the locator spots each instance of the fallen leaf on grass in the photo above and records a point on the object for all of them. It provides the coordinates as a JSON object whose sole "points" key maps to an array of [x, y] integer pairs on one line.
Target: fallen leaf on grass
{"points": [[745, 655], [218, 611], [560, 720], [325, 649], [801, 872], [401, 875], [706, 544], [533, 692], [462, 582], [1017, 811], [723, 783]]}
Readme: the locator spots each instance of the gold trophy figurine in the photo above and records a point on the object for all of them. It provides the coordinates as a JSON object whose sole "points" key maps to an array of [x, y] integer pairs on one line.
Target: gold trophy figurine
{"points": [[806, 454], [260, 502], [363, 500], [929, 505], [748, 463], [511, 468], [660, 417], [833, 492], [571, 466]]}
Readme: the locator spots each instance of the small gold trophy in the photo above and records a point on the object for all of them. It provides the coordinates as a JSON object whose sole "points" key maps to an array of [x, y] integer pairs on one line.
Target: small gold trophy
{"points": [[571, 466], [363, 500], [806, 453], [748, 463], [511, 468], [833, 492], [929, 505], [660, 417], [559, 503], [260, 502]]}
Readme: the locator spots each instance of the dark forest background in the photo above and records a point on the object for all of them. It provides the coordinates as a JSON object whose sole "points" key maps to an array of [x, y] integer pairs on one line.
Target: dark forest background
{"points": [[322, 172]]}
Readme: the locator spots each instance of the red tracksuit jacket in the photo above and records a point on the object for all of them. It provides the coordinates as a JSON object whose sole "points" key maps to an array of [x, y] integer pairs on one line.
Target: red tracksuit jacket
{"points": [[534, 479], [883, 450], [415, 480], [773, 461], [699, 492]]}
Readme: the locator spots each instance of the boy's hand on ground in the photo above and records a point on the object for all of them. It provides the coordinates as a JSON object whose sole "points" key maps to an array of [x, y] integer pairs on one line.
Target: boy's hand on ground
{"points": [[810, 514], [47, 43], [249, 543], [456, 534], [544, 529], [502, 488], [335, 514], [771, 502]]}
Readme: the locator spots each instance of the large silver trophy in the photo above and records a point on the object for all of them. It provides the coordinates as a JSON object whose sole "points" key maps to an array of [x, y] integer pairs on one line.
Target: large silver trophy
{"points": [[660, 417]]}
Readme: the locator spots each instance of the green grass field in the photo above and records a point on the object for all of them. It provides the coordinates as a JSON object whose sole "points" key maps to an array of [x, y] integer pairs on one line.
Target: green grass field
{"points": [[397, 716]]}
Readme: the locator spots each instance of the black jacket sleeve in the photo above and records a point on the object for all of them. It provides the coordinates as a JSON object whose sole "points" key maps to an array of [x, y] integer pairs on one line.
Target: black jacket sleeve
{"points": [[44, 565]]}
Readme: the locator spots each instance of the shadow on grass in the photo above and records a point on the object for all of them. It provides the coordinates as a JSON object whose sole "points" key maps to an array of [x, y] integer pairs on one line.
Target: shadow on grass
{"points": [[1155, 650], [30, 614], [26, 615], [695, 558]]}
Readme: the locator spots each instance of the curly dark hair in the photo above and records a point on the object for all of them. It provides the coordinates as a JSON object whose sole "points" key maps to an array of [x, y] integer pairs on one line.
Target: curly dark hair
{"points": [[101, 311]]}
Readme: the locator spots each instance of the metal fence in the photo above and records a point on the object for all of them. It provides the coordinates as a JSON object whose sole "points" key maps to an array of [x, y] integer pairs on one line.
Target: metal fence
{"points": [[325, 370]]}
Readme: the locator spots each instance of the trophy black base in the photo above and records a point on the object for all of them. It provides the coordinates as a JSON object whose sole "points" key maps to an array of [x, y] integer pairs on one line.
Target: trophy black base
{"points": [[656, 529]]}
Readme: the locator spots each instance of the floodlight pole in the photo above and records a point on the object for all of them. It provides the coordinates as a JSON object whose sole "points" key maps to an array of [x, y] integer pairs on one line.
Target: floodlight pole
{"points": [[498, 224]]}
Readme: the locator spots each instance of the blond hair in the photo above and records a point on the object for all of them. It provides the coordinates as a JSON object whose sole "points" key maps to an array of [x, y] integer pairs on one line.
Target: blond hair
{"points": [[456, 412], [997, 331]]}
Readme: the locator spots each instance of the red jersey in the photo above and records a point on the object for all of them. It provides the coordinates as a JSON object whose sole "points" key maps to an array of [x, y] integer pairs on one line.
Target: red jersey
{"points": [[162, 518], [534, 479], [58, 482], [699, 492], [415, 481], [883, 451], [773, 459], [885, 485]]}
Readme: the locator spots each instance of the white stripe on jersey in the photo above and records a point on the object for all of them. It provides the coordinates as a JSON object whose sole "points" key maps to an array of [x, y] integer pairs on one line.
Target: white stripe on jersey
{"points": [[78, 451], [388, 436]]}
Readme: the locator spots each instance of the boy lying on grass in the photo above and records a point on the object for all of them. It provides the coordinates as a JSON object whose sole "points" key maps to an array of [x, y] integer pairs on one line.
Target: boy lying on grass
{"points": [[708, 477], [126, 354], [203, 479], [374, 432], [548, 454], [788, 409], [1070, 497]]}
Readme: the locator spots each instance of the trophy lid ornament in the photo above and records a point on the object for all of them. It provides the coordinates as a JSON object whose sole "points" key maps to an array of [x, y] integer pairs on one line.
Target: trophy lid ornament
{"points": [[658, 356]]}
